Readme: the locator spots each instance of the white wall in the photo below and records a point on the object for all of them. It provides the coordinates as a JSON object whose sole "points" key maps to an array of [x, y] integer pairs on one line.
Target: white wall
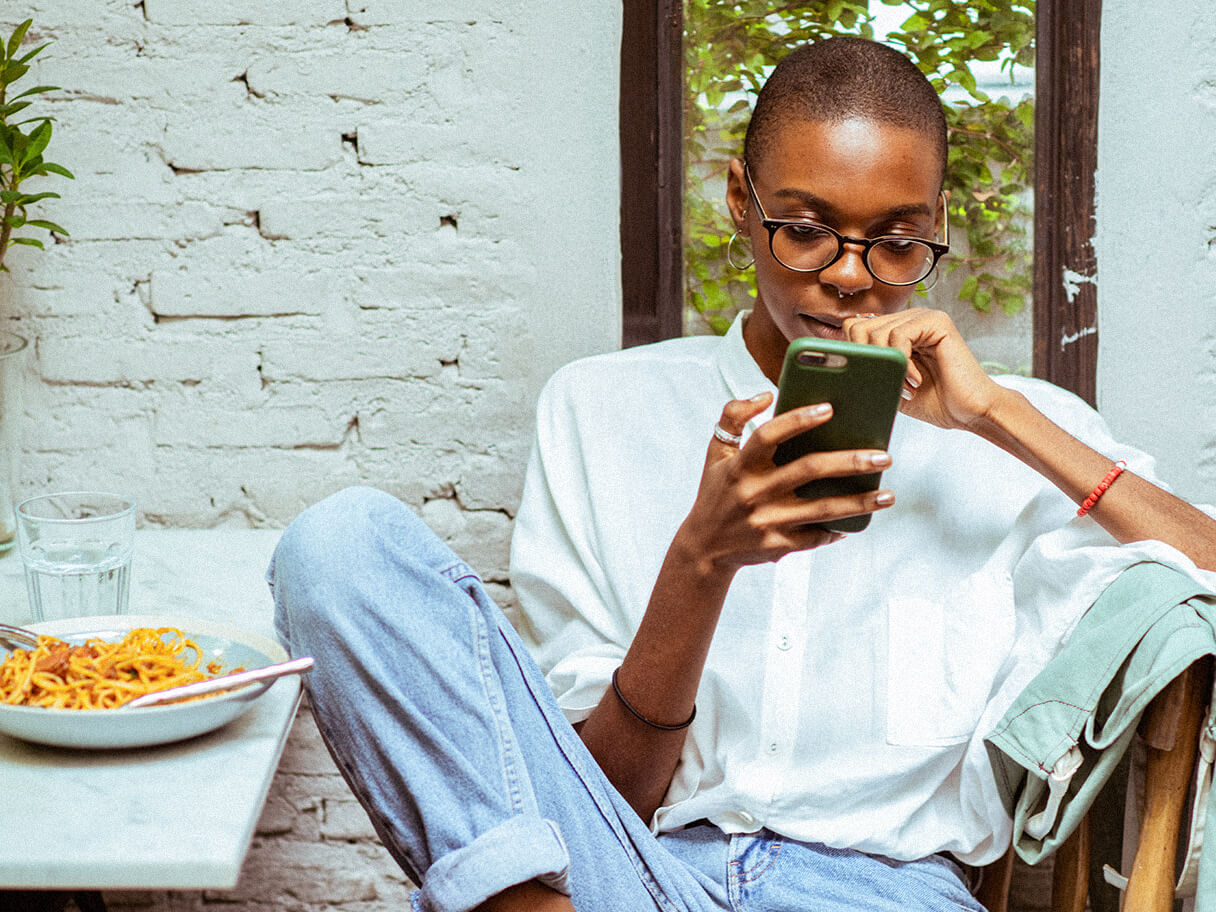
{"points": [[1156, 236], [316, 243]]}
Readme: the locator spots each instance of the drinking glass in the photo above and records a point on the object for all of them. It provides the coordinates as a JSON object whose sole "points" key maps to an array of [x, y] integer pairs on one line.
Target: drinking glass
{"points": [[76, 548]]}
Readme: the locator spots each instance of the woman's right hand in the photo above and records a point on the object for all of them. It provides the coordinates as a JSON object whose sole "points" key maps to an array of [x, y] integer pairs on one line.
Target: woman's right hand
{"points": [[746, 511]]}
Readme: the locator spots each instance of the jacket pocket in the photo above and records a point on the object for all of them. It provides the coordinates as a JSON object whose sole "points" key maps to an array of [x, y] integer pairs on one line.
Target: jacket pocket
{"points": [[943, 656]]}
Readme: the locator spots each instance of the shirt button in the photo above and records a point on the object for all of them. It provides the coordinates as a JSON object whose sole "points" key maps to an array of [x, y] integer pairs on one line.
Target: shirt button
{"points": [[746, 819], [772, 748], [783, 643]]}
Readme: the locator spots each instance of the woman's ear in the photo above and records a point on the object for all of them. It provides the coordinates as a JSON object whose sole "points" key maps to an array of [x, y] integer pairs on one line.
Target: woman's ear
{"points": [[737, 197]]}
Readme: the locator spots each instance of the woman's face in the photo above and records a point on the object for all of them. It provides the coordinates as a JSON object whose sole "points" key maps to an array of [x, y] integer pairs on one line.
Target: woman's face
{"points": [[863, 179]]}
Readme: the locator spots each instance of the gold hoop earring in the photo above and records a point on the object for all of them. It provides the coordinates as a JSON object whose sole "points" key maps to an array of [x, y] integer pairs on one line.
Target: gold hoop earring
{"points": [[730, 254]]}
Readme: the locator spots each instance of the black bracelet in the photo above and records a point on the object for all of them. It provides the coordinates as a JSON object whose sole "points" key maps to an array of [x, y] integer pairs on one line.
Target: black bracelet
{"points": [[660, 726]]}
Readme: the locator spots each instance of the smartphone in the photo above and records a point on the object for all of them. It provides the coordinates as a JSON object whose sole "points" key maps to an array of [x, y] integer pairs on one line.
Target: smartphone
{"points": [[863, 384]]}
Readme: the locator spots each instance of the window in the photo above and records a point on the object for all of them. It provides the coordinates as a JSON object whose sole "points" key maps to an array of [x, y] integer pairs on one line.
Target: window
{"points": [[1065, 296]]}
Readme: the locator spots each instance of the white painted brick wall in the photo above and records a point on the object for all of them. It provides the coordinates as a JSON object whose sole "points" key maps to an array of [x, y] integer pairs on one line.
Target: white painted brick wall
{"points": [[315, 243]]}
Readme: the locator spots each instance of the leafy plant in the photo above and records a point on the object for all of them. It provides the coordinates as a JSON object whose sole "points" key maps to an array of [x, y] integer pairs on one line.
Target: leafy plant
{"points": [[732, 45], [21, 150]]}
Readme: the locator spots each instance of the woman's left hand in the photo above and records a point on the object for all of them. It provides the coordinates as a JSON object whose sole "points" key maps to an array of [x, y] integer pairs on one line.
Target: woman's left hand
{"points": [[945, 384]]}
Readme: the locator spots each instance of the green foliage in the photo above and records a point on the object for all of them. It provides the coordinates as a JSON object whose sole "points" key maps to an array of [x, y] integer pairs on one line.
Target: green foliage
{"points": [[21, 150], [732, 45]]}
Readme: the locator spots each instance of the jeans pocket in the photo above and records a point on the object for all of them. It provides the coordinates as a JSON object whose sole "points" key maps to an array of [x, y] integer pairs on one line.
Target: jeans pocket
{"points": [[943, 656]]}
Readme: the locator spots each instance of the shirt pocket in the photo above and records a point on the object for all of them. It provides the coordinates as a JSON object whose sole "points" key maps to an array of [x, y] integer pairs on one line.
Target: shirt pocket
{"points": [[943, 656]]}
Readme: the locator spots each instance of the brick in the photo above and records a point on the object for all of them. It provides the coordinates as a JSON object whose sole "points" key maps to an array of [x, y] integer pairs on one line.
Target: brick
{"points": [[409, 12], [434, 289], [60, 15], [346, 819], [68, 428], [428, 414], [283, 871], [270, 425], [494, 481], [392, 142], [353, 358], [157, 69], [306, 792], [278, 816], [64, 294], [354, 70], [344, 216], [89, 360], [269, 292], [108, 220], [244, 12], [248, 136]]}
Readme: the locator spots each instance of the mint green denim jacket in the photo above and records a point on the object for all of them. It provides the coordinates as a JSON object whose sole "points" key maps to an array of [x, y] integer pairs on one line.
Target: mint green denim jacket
{"points": [[1066, 732]]}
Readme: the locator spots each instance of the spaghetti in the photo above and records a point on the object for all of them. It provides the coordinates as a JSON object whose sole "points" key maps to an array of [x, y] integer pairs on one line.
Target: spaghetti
{"points": [[101, 675]]}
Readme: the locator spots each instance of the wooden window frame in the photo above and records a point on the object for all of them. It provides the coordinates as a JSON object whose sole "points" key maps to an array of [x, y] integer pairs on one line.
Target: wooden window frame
{"points": [[1066, 159], [652, 170], [1066, 140]]}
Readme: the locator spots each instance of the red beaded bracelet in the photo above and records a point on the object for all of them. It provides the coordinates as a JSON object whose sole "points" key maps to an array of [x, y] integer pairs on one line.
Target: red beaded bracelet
{"points": [[1088, 503]]}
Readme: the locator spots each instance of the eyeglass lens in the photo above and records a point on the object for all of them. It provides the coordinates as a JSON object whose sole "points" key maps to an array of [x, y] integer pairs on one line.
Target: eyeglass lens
{"points": [[897, 261]]}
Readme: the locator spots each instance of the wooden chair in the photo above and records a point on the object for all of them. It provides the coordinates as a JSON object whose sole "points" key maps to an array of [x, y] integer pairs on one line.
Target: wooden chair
{"points": [[1171, 729]]}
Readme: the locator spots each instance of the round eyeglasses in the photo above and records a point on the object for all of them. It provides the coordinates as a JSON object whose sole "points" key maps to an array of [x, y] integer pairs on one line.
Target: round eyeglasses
{"points": [[805, 246]]}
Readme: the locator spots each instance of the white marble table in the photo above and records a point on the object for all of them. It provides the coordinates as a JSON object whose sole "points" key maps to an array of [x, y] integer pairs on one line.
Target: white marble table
{"points": [[176, 816]]}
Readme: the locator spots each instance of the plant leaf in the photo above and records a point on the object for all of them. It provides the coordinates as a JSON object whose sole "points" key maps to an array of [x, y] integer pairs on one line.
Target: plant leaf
{"points": [[35, 91], [56, 169], [47, 226], [13, 71], [32, 54], [28, 241], [25, 199], [18, 35], [39, 137]]}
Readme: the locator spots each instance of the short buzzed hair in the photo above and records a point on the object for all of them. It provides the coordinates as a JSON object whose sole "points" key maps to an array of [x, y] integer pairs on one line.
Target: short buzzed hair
{"points": [[841, 79]]}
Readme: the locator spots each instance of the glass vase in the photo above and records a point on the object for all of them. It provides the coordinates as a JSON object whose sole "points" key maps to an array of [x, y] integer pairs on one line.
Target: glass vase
{"points": [[12, 378]]}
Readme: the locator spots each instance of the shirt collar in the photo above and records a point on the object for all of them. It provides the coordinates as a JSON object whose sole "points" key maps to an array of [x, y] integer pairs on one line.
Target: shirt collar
{"points": [[740, 371]]}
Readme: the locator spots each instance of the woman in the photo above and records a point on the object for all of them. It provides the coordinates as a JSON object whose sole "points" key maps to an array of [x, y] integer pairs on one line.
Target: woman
{"points": [[765, 715]]}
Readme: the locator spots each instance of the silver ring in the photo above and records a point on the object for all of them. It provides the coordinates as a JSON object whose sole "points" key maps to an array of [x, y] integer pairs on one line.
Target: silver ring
{"points": [[726, 436]]}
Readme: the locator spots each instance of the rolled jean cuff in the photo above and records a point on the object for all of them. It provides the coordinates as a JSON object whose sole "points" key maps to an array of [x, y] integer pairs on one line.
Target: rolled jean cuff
{"points": [[516, 851]]}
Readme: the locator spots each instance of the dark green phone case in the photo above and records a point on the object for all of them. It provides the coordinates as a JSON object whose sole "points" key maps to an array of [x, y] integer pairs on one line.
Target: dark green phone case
{"points": [[865, 394]]}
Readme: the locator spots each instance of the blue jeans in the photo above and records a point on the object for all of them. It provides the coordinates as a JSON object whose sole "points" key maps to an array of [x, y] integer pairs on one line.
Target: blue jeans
{"points": [[450, 738]]}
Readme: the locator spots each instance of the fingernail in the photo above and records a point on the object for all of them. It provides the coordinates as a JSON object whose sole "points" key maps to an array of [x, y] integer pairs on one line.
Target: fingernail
{"points": [[905, 394], [884, 498], [818, 411], [880, 459], [912, 382], [757, 397]]}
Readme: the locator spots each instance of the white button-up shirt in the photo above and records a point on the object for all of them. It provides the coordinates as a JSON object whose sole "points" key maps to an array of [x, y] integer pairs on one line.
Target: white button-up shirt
{"points": [[848, 688]]}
